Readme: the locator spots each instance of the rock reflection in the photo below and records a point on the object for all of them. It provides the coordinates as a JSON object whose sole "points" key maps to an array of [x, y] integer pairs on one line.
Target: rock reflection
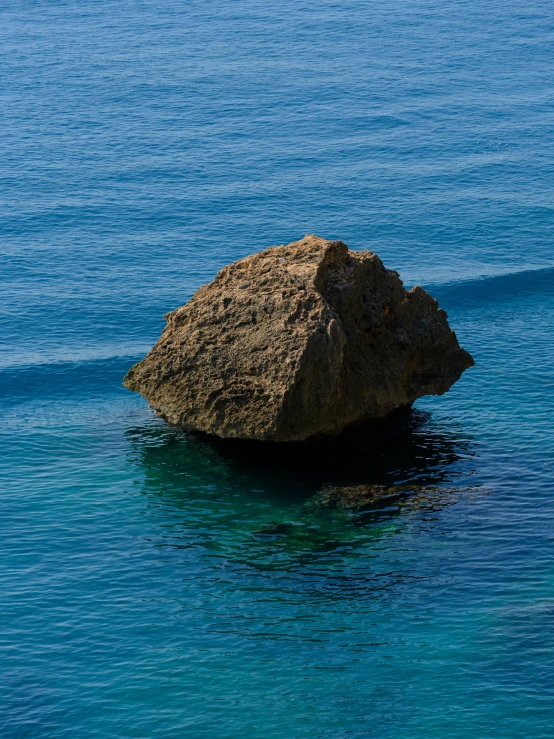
{"points": [[270, 506], [407, 447]]}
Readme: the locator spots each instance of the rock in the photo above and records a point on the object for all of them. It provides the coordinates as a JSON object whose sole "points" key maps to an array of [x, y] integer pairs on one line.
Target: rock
{"points": [[296, 341], [361, 497], [367, 498]]}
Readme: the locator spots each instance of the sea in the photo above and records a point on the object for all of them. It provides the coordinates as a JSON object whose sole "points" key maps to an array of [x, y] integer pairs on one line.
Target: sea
{"points": [[155, 584]]}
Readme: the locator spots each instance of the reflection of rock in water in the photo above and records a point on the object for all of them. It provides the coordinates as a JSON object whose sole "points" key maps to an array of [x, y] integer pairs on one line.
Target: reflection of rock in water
{"points": [[405, 447], [259, 506]]}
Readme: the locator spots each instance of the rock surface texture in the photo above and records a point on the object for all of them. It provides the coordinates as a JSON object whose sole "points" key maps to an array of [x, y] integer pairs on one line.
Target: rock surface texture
{"points": [[296, 341], [365, 498]]}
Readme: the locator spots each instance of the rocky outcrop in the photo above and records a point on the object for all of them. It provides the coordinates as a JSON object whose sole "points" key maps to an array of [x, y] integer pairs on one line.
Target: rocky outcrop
{"points": [[296, 341]]}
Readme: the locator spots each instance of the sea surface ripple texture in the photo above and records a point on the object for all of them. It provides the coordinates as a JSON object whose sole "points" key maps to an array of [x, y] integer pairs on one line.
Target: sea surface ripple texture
{"points": [[154, 585]]}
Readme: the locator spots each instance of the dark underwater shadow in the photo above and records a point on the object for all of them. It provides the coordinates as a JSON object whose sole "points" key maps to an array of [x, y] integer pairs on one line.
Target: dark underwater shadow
{"points": [[406, 448], [258, 506]]}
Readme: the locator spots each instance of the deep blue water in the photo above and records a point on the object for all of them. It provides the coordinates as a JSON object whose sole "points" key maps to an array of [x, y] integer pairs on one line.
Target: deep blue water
{"points": [[145, 145]]}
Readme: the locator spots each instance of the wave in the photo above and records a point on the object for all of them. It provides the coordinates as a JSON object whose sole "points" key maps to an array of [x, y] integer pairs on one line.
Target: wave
{"points": [[89, 371], [61, 356], [495, 288], [65, 377]]}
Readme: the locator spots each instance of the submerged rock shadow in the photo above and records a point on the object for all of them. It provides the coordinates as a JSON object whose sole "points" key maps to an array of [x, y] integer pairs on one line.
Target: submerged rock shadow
{"points": [[405, 450], [261, 507]]}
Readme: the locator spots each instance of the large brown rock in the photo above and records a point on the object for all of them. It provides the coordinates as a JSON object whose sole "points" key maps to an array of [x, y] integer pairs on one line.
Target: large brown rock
{"points": [[295, 341]]}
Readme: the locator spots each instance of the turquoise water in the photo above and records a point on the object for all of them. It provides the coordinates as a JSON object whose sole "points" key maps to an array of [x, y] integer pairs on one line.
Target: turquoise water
{"points": [[142, 594]]}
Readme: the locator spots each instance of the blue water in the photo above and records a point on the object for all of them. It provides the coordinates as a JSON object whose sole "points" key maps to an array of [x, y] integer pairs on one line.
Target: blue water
{"points": [[144, 146]]}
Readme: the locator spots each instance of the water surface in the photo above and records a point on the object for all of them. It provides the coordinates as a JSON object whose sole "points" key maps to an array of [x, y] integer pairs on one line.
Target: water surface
{"points": [[154, 584]]}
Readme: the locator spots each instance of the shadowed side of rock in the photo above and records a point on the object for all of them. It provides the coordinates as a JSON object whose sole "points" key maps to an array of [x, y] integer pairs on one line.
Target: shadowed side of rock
{"points": [[296, 341]]}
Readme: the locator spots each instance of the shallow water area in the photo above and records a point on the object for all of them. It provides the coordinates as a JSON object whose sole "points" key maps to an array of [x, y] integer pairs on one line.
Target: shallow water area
{"points": [[155, 583]]}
